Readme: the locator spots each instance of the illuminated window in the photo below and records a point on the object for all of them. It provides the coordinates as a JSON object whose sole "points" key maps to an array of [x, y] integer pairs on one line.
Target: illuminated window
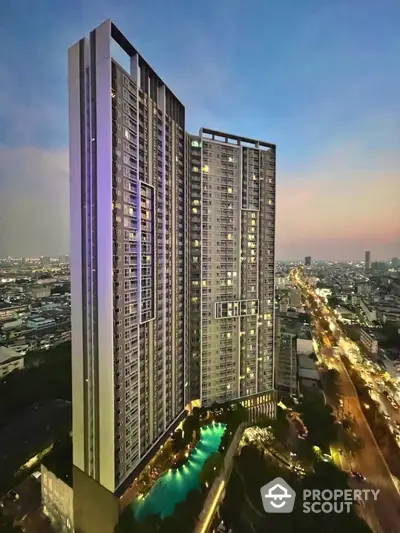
{"points": [[205, 168], [195, 259], [230, 190], [194, 299], [252, 332], [229, 236], [269, 202], [231, 159], [196, 144], [229, 282], [194, 210], [204, 283], [228, 335], [195, 283], [195, 169], [196, 244], [148, 258], [255, 178], [234, 274], [229, 274], [253, 222], [196, 202]]}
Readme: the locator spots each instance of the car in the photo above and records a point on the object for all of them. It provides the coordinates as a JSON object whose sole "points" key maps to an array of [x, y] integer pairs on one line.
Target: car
{"points": [[357, 476], [13, 495]]}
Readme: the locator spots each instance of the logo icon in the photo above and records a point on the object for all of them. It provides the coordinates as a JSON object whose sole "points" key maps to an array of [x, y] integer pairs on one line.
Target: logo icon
{"points": [[277, 496]]}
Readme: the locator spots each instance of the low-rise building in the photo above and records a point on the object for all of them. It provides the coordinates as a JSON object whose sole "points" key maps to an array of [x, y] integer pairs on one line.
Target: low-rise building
{"points": [[10, 360], [8, 325], [368, 310], [294, 298], [40, 322], [308, 374], [40, 292], [369, 342], [57, 501], [8, 311]]}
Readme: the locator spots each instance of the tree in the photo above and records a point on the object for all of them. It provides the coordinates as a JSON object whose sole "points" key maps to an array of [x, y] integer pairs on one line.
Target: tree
{"points": [[319, 420], [178, 442], [191, 428], [211, 469]]}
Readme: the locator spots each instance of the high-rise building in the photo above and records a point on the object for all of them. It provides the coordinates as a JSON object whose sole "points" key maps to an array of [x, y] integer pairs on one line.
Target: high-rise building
{"points": [[286, 366], [127, 137], [307, 260], [367, 260], [231, 231]]}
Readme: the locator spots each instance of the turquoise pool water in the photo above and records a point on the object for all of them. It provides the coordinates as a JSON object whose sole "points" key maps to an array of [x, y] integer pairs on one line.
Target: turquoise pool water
{"points": [[173, 486]]}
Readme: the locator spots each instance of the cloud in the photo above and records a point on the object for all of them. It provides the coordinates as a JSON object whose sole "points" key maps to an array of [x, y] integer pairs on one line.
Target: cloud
{"points": [[34, 201], [346, 200]]}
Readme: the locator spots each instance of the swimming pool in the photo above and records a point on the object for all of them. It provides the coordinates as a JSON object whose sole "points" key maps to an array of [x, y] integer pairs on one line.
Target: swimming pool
{"points": [[174, 485]]}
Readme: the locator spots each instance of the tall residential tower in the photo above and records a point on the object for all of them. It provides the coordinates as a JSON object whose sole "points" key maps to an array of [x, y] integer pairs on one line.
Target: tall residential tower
{"points": [[367, 260], [127, 143], [231, 232]]}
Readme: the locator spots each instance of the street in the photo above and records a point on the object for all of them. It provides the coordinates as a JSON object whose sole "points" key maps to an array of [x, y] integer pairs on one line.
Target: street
{"points": [[383, 515]]}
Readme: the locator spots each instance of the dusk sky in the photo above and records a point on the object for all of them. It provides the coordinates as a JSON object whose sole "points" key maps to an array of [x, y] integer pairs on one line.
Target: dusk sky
{"points": [[320, 78]]}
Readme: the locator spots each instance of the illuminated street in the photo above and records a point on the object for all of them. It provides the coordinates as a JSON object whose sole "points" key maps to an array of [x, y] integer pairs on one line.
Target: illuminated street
{"points": [[369, 459]]}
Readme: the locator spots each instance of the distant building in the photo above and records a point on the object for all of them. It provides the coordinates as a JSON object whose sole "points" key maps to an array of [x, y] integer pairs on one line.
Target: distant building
{"points": [[395, 262], [364, 289], [45, 261], [11, 311], [281, 281], [312, 280], [11, 324], [307, 260], [369, 342], [40, 322], [283, 305], [368, 310], [40, 292], [64, 259], [294, 298], [367, 260], [9, 361]]}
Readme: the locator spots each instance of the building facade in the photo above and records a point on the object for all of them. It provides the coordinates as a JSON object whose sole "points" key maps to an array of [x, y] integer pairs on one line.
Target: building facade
{"points": [[127, 144], [57, 501], [231, 225], [367, 260], [307, 261], [369, 342]]}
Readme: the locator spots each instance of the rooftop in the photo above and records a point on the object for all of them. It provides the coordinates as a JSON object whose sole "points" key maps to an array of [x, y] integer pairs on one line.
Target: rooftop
{"points": [[7, 354]]}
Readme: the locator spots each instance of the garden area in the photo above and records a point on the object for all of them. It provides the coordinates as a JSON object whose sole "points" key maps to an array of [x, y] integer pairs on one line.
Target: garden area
{"points": [[172, 489], [242, 508]]}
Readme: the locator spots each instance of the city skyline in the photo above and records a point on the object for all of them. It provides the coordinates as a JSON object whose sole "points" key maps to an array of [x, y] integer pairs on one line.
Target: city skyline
{"points": [[329, 107]]}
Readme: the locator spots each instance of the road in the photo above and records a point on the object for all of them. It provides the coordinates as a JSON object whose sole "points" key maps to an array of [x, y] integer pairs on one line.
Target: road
{"points": [[370, 462], [384, 514]]}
